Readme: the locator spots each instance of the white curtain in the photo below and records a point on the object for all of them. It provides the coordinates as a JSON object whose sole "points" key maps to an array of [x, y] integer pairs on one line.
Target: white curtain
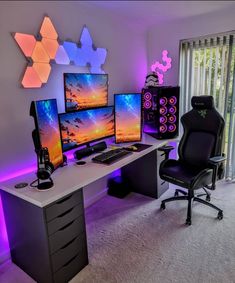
{"points": [[207, 67]]}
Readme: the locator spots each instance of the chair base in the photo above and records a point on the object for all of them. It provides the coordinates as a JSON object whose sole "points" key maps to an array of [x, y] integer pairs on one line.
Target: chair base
{"points": [[191, 197]]}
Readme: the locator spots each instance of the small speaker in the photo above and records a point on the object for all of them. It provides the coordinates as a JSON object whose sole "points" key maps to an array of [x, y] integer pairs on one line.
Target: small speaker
{"points": [[161, 112], [84, 152]]}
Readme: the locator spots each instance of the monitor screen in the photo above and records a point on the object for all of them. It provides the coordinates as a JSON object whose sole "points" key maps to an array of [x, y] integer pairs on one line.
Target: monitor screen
{"points": [[85, 91], [47, 124], [84, 126], [127, 117]]}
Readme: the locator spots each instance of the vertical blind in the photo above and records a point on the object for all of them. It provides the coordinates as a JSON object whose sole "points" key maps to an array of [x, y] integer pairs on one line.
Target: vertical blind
{"points": [[207, 68]]}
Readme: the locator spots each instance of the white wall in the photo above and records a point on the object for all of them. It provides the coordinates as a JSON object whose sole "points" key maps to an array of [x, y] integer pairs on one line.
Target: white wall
{"points": [[126, 65], [167, 36]]}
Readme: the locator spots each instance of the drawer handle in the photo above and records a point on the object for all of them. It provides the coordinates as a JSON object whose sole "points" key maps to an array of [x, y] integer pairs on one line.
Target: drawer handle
{"points": [[70, 242], [70, 223], [70, 261], [64, 199], [66, 212]]}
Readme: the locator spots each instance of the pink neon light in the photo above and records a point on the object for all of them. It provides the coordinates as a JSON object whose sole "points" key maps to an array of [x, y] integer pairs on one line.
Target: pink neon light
{"points": [[160, 69], [4, 245], [18, 173], [3, 238]]}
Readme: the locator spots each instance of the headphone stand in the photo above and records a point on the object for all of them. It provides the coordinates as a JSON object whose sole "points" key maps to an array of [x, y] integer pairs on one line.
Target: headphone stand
{"points": [[45, 185]]}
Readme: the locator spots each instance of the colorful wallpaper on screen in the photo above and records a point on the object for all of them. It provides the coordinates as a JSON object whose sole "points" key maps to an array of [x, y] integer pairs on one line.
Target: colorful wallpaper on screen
{"points": [[48, 125], [85, 91], [86, 125], [128, 117]]}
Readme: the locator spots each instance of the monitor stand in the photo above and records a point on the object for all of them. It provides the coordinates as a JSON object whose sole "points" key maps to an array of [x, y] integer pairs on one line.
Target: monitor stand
{"points": [[90, 149]]}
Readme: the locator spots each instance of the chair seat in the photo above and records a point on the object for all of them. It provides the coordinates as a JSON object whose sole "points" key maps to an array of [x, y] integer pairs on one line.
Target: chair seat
{"points": [[184, 175]]}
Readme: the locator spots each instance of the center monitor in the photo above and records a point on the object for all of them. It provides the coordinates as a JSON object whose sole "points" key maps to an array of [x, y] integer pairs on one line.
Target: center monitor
{"points": [[127, 117], [85, 91], [85, 126]]}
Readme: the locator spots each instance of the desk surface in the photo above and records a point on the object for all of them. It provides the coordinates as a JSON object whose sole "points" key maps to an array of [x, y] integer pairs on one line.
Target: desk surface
{"points": [[73, 177]]}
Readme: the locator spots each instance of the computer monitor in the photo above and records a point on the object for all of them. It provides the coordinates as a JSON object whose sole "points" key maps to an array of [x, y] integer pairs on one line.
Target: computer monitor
{"points": [[47, 132], [85, 91], [127, 117], [85, 126]]}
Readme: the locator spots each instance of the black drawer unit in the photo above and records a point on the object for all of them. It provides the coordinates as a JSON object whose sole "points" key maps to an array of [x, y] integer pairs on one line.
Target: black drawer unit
{"points": [[65, 218], [71, 268], [68, 251], [65, 234], [47, 243], [142, 175], [63, 205]]}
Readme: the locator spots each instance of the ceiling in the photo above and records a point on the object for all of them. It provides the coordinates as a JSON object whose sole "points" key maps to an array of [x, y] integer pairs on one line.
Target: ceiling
{"points": [[149, 13]]}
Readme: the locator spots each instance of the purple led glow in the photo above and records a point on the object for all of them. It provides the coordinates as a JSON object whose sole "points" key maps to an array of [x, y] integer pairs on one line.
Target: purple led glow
{"points": [[172, 119], [172, 128], [163, 119], [172, 109], [161, 69], [163, 101], [147, 96], [4, 245], [149, 129], [17, 173], [163, 110], [172, 100], [163, 128], [147, 104]]}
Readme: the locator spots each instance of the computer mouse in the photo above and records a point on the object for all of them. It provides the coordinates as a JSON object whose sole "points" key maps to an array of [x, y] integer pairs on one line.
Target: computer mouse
{"points": [[81, 162]]}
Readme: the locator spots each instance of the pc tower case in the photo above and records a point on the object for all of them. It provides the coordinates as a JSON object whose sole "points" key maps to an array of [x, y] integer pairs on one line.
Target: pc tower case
{"points": [[161, 111]]}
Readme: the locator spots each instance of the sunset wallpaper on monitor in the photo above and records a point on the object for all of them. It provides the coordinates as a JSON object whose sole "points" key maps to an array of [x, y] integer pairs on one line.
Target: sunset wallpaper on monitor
{"points": [[127, 117], [85, 91], [85, 126], [48, 127]]}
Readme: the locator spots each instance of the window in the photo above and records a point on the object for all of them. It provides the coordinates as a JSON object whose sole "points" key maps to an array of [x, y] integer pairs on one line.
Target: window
{"points": [[207, 68]]}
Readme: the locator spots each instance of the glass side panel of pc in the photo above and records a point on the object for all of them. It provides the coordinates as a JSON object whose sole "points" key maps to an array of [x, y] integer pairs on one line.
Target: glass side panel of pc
{"points": [[127, 117], [47, 124], [85, 91], [85, 126]]}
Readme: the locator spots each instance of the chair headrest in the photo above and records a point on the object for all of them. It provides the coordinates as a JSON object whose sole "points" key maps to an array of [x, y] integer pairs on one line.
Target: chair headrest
{"points": [[202, 102]]}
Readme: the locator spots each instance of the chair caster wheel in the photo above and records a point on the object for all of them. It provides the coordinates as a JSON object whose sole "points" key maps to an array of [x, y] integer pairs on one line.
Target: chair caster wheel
{"points": [[176, 194], [188, 222], [220, 215], [163, 206], [208, 198]]}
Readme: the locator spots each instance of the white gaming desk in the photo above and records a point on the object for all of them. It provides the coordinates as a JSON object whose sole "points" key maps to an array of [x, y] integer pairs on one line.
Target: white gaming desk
{"points": [[46, 230]]}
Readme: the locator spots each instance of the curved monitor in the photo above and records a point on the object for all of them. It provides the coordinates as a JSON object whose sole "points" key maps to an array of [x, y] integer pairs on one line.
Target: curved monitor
{"points": [[85, 126], [85, 91], [127, 117], [47, 128]]}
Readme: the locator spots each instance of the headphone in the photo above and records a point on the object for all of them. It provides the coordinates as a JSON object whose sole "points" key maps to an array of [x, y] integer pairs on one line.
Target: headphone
{"points": [[45, 167]]}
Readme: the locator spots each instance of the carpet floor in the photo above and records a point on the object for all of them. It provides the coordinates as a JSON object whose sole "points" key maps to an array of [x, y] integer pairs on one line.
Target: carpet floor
{"points": [[131, 241]]}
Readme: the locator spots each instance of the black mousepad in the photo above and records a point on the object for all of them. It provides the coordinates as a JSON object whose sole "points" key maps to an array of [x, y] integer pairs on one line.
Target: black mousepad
{"points": [[138, 147]]}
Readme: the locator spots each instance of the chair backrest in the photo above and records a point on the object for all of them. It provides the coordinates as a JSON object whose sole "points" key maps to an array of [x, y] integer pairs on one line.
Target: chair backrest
{"points": [[203, 132]]}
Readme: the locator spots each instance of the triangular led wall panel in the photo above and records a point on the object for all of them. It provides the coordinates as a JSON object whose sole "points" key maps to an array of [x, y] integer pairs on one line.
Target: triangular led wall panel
{"points": [[49, 49]]}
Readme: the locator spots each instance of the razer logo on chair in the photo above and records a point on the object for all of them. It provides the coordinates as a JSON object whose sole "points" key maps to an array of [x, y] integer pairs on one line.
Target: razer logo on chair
{"points": [[202, 113]]}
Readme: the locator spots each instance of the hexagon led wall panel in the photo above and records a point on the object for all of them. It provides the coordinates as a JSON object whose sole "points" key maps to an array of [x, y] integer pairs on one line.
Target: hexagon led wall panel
{"points": [[161, 69], [41, 53]]}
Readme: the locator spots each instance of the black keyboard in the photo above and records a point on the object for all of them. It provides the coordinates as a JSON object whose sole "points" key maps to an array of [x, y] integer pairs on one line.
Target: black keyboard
{"points": [[111, 156]]}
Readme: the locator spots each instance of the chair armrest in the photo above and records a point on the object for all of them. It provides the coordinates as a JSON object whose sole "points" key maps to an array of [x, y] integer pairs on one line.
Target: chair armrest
{"points": [[166, 149], [217, 159], [216, 162]]}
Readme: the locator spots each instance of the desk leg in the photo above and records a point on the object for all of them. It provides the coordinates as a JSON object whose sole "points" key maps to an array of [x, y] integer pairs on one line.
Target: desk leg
{"points": [[142, 175]]}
